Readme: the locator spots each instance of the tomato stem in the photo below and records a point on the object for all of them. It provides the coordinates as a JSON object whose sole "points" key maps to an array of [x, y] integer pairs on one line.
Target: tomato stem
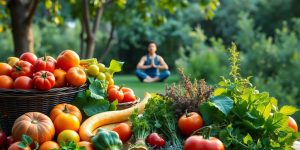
{"points": [[44, 75], [186, 114], [45, 59], [66, 110]]}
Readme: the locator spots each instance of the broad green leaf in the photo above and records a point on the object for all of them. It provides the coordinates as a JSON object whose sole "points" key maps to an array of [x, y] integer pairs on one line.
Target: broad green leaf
{"points": [[223, 103], [288, 110], [91, 79], [247, 139], [219, 91], [113, 105], [276, 122], [115, 66], [210, 113], [98, 90], [95, 107]]}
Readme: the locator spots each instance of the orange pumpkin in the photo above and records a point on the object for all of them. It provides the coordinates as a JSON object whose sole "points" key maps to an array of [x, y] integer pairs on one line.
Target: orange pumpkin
{"points": [[49, 145], [34, 124], [65, 108]]}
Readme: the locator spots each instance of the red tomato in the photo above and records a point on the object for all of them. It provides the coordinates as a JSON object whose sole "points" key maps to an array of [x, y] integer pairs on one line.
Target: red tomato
{"points": [[6, 82], [155, 140], [67, 59], [199, 143], [188, 123], [126, 89], [23, 82], [22, 68], [5, 69], [129, 97], [124, 131], [15, 146], [43, 80], [115, 94], [76, 76], [46, 63], [293, 124], [29, 57]]}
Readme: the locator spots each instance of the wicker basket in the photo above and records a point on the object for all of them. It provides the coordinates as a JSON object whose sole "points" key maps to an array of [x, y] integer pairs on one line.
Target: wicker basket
{"points": [[14, 103], [122, 106]]}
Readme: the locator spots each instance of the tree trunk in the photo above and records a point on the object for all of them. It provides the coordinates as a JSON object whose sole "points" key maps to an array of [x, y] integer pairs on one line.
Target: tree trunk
{"points": [[22, 12], [108, 44]]}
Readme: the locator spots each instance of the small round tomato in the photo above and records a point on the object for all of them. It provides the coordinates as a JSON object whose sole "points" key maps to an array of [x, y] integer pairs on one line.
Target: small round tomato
{"points": [[43, 80], [188, 123], [29, 57], [46, 63], [87, 145], [15, 146], [60, 78], [124, 131], [126, 89], [12, 60], [67, 59], [76, 76], [9, 141], [5, 69], [67, 136], [155, 140], [115, 94], [66, 122], [292, 124], [22, 68], [6, 82], [23, 82], [101, 67], [199, 143], [49, 145], [129, 97]]}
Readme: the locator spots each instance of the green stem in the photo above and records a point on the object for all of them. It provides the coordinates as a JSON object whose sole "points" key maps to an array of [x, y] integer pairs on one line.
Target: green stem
{"points": [[66, 110]]}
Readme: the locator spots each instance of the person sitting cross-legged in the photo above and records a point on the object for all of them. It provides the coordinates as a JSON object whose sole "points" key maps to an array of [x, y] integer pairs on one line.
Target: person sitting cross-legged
{"points": [[149, 66]]}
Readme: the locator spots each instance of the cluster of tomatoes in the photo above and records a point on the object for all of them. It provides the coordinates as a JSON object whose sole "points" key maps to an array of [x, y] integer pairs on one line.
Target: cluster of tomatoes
{"points": [[44, 73], [120, 93]]}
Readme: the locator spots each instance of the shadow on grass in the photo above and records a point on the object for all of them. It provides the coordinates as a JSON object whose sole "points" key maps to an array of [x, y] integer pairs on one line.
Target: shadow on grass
{"points": [[140, 88]]}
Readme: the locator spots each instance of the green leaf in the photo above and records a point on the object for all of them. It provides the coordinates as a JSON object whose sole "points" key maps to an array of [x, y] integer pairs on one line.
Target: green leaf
{"points": [[115, 66], [113, 105], [26, 139], [210, 113], [22, 145], [223, 103], [91, 79], [276, 121], [98, 90], [288, 110], [247, 139], [219, 91], [95, 107]]}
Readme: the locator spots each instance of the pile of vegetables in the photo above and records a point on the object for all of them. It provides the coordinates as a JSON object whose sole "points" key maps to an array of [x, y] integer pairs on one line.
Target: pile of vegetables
{"points": [[232, 115]]}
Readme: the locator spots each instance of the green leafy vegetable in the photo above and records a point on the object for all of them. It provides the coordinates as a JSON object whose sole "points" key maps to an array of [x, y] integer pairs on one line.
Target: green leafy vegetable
{"points": [[94, 99], [248, 119], [115, 66]]}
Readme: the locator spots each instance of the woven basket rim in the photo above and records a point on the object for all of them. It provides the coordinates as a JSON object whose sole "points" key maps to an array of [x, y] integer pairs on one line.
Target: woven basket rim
{"points": [[34, 91]]}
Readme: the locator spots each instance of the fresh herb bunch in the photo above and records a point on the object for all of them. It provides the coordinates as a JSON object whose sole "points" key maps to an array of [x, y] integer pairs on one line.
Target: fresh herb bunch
{"points": [[246, 118], [161, 119], [187, 96], [70, 146], [141, 130]]}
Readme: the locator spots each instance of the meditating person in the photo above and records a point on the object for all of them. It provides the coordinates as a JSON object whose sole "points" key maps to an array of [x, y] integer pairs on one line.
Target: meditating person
{"points": [[152, 67]]}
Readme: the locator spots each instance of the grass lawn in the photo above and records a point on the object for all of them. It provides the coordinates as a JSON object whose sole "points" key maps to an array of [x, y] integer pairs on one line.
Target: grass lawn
{"points": [[140, 88]]}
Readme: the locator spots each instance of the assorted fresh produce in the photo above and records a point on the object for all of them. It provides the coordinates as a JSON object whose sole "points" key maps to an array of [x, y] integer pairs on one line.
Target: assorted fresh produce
{"points": [[190, 116], [45, 73]]}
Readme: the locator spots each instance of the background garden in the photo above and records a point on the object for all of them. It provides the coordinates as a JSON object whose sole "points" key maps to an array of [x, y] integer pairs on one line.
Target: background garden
{"points": [[193, 34]]}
